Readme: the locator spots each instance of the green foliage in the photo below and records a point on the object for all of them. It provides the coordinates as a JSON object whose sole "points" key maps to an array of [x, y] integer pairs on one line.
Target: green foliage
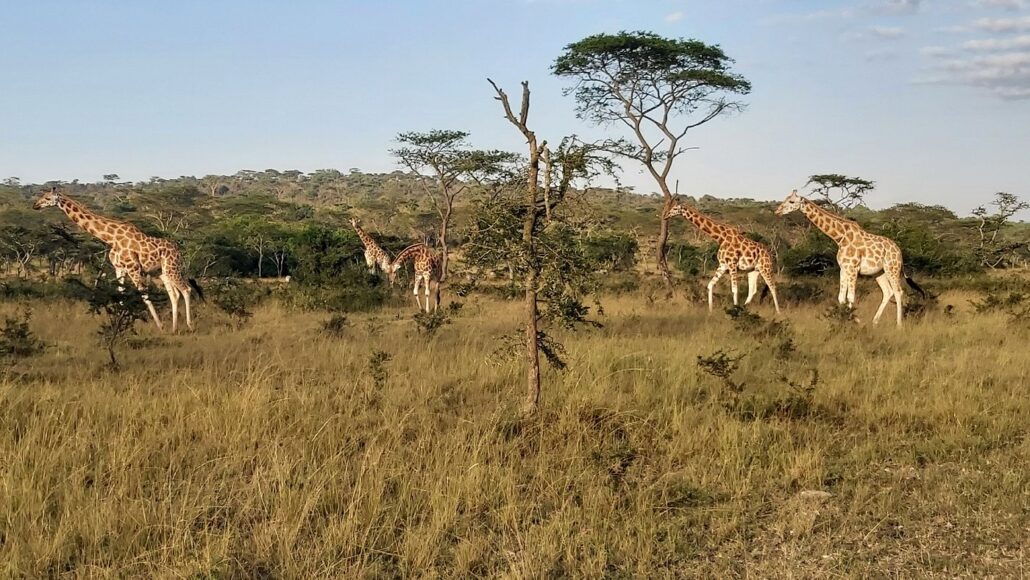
{"points": [[840, 191], [815, 255], [679, 72], [236, 299], [428, 323], [613, 251], [17, 339], [118, 311], [723, 366], [336, 326], [693, 260]]}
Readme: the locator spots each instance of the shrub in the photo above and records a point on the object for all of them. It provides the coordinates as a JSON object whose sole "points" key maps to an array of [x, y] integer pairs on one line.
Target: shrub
{"points": [[335, 326], [17, 339], [237, 299]]}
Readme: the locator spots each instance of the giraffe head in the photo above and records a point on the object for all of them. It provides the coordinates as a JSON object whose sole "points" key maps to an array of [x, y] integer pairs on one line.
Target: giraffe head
{"points": [[792, 203], [48, 199], [354, 223], [676, 209], [391, 271]]}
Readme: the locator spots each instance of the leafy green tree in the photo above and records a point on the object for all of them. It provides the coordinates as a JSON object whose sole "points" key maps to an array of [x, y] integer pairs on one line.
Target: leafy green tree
{"points": [[840, 191], [993, 250], [447, 156], [656, 88], [547, 260]]}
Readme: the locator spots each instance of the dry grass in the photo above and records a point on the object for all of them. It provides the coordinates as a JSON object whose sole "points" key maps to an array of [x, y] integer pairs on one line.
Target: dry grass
{"points": [[272, 452]]}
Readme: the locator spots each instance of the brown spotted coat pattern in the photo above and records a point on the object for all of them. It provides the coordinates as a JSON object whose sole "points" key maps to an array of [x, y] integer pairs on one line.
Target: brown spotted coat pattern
{"points": [[737, 253], [133, 254], [858, 253], [427, 271], [374, 254]]}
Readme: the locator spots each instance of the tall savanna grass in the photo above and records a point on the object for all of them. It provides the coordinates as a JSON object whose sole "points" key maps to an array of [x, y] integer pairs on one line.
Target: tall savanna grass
{"points": [[278, 449]]}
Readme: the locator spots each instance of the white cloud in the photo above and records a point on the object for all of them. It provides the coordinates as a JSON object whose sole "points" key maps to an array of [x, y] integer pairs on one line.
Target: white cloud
{"points": [[899, 6], [951, 29], [1006, 75], [674, 17], [887, 32], [1004, 24], [1006, 4], [998, 44], [937, 51], [880, 55], [808, 16]]}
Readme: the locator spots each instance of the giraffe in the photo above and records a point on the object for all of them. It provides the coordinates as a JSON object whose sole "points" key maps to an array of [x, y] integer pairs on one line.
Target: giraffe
{"points": [[736, 253], [427, 270], [374, 254], [133, 254], [858, 252]]}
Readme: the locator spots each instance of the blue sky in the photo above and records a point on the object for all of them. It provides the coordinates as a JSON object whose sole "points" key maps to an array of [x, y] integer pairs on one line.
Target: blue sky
{"points": [[930, 98]]}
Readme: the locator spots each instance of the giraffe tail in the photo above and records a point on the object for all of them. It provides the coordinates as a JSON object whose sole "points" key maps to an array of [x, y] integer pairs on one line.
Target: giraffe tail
{"points": [[912, 283], [765, 292], [196, 287]]}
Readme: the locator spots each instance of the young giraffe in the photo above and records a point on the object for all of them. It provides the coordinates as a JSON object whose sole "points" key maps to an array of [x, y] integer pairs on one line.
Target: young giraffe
{"points": [[859, 252], [427, 270], [374, 254], [133, 254], [736, 253]]}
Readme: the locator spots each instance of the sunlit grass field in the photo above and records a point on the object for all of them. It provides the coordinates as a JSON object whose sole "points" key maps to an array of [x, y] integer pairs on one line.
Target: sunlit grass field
{"points": [[277, 450]]}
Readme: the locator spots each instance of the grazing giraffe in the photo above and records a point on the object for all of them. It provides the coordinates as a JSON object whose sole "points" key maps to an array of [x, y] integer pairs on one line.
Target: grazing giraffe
{"points": [[133, 254], [736, 253], [858, 252], [427, 270], [374, 254]]}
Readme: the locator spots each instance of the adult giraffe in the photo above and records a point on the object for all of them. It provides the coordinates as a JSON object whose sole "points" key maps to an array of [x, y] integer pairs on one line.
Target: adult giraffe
{"points": [[427, 271], [737, 252], [858, 252], [133, 254]]}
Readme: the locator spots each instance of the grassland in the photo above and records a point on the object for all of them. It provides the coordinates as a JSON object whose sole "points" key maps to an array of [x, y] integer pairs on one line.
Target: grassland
{"points": [[279, 451]]}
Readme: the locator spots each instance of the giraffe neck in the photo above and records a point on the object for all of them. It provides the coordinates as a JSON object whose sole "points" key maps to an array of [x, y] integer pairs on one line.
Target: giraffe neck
{"points": [[87, 220], [713, 229], [367, 239], [409, 253], [830, 224]]}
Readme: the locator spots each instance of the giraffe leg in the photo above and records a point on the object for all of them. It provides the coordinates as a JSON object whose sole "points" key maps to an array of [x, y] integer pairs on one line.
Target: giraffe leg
{"points": [[899, 293], [426, 283], [418, 280], [733, 286], [842, 296], [186, 300], [715, 280], [888, 292], [140, 281], [772, 290], [752, 286], [173, 298], [852, 283]]}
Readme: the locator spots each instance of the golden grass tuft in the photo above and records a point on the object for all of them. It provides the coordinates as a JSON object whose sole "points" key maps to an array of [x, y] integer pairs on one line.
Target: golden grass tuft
{"points": [[271, 451]]}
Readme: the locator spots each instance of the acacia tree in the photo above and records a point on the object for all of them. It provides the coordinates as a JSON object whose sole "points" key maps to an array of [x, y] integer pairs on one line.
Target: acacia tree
{"points": [[993, 252], [659, 89], [446, 154], [508, 231], [840, 191]]}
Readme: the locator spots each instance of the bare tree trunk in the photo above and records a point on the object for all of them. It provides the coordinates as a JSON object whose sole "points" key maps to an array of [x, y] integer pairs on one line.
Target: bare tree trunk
{"points": [[545, 156], [444, 250], [532, 400], [662, 243]]}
